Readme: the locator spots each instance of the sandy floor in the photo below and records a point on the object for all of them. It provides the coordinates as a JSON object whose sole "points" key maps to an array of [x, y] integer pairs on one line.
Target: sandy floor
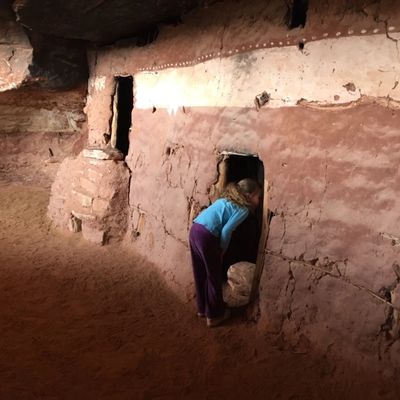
{"points": [[83, 322]]}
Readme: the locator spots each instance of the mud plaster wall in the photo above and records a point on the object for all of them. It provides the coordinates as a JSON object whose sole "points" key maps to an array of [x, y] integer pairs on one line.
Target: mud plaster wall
{"points": [[329, 141]]}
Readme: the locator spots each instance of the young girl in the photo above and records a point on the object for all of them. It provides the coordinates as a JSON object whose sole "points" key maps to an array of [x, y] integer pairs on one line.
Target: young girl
{"points": [[209, 238]]}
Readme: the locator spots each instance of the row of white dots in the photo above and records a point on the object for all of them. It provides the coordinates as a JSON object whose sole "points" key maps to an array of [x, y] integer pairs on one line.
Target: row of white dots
{"points": [[256, 46]]}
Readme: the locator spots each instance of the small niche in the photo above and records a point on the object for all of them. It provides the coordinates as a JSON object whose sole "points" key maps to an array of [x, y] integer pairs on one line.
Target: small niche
{"points": [[122, 113], [297, 14]]}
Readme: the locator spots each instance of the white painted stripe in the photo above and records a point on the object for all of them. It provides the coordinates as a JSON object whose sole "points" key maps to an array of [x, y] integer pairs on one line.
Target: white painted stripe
{"points": [[287, 74]]}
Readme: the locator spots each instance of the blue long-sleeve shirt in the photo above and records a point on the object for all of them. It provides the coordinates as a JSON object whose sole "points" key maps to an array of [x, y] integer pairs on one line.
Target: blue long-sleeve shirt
{"points": [[221, 219]]}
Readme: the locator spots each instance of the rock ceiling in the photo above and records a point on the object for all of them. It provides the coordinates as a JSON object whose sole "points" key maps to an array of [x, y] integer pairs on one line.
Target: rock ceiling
{"points": [[56, 33], [44, 42], [99, 21]]}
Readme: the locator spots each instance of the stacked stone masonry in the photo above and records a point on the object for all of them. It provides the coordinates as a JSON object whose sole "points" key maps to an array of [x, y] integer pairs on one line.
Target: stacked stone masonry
{"points": [[94, 192]]}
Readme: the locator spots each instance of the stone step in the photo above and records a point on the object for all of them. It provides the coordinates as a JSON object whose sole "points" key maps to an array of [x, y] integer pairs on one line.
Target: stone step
{"points": [[103, 154]]}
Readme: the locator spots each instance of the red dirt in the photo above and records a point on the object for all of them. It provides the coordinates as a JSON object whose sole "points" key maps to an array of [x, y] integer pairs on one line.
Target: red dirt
{"points": [[86, 322]]}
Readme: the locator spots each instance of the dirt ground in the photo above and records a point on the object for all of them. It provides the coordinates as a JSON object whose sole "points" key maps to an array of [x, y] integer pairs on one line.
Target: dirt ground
{"points": [[80, 321]]}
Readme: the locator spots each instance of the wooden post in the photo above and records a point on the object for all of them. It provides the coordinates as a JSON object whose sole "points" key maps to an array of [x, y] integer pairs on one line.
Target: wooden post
{"points": [[114, 118], [261, 245]]}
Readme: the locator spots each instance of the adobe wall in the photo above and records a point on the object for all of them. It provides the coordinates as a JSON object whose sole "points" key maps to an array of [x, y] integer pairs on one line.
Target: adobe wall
{"points": [[329, 141]]}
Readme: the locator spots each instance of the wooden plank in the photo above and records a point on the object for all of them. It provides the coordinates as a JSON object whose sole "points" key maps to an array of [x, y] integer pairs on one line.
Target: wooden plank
{"points": [[261, 244]]}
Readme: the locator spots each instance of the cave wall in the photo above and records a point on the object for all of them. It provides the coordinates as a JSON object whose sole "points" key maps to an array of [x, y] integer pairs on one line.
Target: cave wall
{"points": [[329, 141], [15, 51], [43, 84], [38, 129]]}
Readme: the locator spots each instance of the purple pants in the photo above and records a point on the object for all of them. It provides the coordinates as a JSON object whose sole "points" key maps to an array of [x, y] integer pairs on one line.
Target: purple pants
{"points": [[207, 270]]}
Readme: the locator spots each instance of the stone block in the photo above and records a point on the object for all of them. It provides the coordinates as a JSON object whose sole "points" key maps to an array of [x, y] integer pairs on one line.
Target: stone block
{"points": [[93, 175], [93, 234], [88, 185], [85, 200], [93, 161], [100, 206], [108, 189], [82, 216], [103, 154]]}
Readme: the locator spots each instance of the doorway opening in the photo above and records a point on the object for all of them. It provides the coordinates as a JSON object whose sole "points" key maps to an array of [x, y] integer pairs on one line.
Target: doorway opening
{"points": [[248, 240], [122, 113]]}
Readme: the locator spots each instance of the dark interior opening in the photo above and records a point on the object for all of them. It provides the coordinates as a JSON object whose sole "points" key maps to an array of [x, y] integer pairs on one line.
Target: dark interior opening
{"points": [[244, 242], [124, 110], [239, 167], [297, 14]]}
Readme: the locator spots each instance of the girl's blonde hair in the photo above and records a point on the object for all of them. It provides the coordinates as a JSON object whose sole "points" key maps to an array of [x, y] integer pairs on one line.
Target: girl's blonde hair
{"points": [[236, 192]]}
